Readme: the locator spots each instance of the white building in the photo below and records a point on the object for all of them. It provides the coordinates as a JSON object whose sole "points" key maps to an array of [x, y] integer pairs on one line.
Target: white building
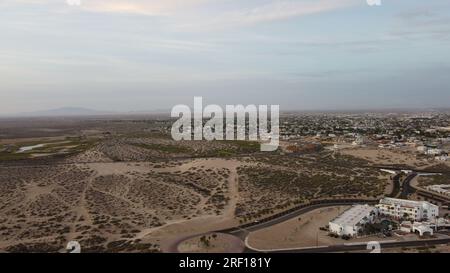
{"points": [[421, 228], [352, 220], [443, 157], [416, 210], [406, 226], [441, 189], [422, 149], [360, 140], [433, 151]]}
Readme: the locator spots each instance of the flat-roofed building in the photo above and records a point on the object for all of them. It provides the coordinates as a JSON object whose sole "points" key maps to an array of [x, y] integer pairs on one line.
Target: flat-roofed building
{"points": [[351, 221], [441, 189], [421, 228], [414, 210]]}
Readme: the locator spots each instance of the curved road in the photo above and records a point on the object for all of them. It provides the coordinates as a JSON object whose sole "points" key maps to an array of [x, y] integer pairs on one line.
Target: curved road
{"points": [[359, 246], [406, 190], [243, 230], [406, 186]]}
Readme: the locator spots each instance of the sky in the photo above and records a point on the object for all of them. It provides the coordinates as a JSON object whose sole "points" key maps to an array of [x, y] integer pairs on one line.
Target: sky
{"points": [[140, 55]]}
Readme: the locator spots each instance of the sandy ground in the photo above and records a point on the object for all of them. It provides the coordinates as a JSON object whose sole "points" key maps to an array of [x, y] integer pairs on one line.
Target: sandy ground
{"points": [[302, 233], [293, 233], [166, 234], [387, 157], [174, 230], [217, 243], [176, 227]]}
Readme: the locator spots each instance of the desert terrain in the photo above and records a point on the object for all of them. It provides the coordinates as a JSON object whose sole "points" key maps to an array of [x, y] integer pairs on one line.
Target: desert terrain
{"points": [[123, 185]]}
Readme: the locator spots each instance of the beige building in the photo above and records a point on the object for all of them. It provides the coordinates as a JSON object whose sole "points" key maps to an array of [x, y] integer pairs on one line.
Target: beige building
{"points": [[414, 210]]}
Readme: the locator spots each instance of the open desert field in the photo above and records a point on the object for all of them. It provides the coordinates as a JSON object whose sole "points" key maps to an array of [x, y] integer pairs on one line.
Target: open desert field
{"points": [[388, 157], [125, 186], [273, 184]]}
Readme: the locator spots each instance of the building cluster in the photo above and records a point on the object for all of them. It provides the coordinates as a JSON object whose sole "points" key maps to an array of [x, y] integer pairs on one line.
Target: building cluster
{"points": [[417, 227], [427, 133], [441, 189], [433, 150], [417, 216]]}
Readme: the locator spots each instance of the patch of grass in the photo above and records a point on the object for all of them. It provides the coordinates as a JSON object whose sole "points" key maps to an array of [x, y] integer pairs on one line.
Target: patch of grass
{"points": [[152, 135], [225, 153], [174, 149], [72, 144], [82, 145], [235, 147], [10, 154], [5, 156], [245, 146]]}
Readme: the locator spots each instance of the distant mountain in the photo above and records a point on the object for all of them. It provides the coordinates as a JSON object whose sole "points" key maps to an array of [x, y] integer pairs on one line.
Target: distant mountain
{"points": [[64, 112]]}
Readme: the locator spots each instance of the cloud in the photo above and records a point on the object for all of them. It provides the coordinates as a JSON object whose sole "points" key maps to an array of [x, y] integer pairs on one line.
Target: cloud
{"points": [[279, 10], [143, 7], [206, 14], [424, 22], [250, 12], [264, 11]]}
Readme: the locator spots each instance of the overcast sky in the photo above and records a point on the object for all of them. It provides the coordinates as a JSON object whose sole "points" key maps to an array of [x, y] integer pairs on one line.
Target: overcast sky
{"points": [[132, 55]]}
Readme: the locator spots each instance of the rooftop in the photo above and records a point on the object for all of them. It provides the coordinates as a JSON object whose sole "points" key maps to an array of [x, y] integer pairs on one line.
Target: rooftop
{"points": [[353, 215], [405, 203], [442, 187]]}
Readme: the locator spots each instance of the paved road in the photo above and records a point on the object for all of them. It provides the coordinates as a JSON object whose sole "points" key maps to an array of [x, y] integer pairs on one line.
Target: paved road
{"points": [[395, 187], [406, 186], [407, 168], [361, 247], [288, 216], [236, 245], [408, 189], [242, 231]]}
